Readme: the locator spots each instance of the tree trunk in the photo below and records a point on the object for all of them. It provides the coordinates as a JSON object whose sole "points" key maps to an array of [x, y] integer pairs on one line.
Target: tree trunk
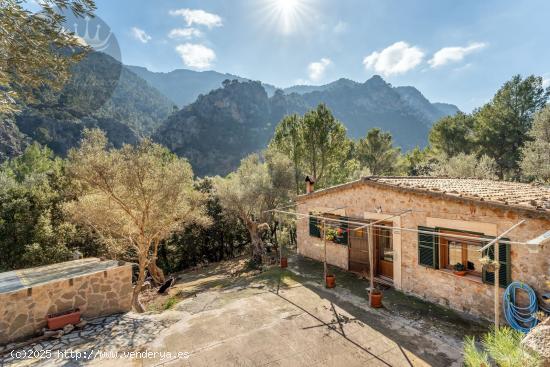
{"points": [[154, 270], [256, 241], [137, 288], [156, 273]]}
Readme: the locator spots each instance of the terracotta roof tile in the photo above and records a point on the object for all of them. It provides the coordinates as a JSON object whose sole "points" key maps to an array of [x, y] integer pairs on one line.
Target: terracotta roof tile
{"points": [[511, 193]]}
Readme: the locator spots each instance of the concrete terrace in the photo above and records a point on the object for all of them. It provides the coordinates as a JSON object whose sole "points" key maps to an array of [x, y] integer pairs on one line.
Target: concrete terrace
{"points": [[18, 279], [275, 318]]}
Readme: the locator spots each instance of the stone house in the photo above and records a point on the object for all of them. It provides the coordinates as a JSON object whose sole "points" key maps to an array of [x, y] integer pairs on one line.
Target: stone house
{"points": [[444, 221]]}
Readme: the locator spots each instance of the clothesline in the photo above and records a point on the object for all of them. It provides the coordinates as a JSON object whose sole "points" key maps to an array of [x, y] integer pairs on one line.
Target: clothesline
{"points": [[337, 220]]}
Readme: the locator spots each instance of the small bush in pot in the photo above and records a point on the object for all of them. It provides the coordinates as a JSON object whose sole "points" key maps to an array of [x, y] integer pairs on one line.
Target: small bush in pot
{"points": [[459, 269]]}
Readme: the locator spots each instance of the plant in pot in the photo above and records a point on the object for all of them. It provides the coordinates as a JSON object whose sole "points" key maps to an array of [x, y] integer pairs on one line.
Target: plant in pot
{"points": [[376, 298], [331, 234], [488, 264], [459, 269]]}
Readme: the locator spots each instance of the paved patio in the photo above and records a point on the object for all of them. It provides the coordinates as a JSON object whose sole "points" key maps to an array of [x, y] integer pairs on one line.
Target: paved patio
{"points": [[283, 318]]}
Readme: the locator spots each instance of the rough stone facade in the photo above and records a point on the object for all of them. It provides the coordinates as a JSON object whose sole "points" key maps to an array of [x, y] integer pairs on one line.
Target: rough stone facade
{"points": [[460, 293], [23, 312]]}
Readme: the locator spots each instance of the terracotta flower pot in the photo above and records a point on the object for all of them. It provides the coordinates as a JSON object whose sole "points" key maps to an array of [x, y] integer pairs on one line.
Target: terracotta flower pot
{"points": [[376, 300], [284, 262], [460, 273], [330, 281], [59, 320]]}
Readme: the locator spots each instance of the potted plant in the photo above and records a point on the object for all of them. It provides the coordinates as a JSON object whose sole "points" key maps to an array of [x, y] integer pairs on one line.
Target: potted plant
{"points": [[376, 298], [331, 234], [330, 280], [488, 264], [284, 262], [459, 269], [59, 320]]}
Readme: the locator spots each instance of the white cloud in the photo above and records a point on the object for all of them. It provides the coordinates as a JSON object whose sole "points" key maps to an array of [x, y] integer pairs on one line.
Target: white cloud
{"points": [[186, 33], [395, 59], [140, 35], [454, 54], [196, 55], [199, 17], [546, 81], [316, 70]]}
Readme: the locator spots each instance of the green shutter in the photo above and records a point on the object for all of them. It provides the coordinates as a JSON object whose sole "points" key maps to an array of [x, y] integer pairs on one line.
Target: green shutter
{"points": [[314, 228], [343, 239], [428, 248], [505, 270]]}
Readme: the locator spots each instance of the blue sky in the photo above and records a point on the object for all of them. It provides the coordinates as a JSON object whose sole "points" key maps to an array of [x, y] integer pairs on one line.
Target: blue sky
{"points": [[459, 52]]}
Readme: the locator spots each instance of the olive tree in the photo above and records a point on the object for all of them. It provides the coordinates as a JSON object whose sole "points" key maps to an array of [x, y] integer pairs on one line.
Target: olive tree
{"points": [[35, 50], [134, 197], [257, 186]]}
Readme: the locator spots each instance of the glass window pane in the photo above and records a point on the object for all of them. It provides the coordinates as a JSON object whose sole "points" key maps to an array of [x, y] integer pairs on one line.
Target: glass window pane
{"points": [[473, 258], [455, 253], [386, 245]]}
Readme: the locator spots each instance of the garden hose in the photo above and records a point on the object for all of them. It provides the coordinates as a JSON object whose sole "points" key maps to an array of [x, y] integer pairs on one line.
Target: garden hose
{"points": [[520, 318]]}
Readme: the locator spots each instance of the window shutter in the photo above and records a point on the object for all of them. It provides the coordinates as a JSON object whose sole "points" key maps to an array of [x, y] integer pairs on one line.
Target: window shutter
{"points": [[314, 229], [505, 270], [343, 238], [428, 248]]}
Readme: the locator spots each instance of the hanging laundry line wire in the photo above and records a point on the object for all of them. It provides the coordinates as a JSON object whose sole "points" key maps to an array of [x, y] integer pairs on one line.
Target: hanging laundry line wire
{"points": [[405, 229]]}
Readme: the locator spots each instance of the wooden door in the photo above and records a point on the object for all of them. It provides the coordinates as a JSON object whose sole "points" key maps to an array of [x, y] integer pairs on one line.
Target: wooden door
{"points": [[358, 251], [384, 251]]}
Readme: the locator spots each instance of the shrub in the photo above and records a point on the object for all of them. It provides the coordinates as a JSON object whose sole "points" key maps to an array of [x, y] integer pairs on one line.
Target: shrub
{"points": [[501, 347]]}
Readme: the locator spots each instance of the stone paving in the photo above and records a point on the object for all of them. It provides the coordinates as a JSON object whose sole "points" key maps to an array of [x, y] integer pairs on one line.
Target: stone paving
{"points": [[276, 318], [122, 332]]}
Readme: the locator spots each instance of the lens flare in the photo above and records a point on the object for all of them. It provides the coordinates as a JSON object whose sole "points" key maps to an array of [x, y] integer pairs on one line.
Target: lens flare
{"points": [[288, 16]]}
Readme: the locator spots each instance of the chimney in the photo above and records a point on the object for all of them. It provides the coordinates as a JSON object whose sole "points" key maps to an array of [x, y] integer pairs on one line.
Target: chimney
{"points": [[310, 182]]}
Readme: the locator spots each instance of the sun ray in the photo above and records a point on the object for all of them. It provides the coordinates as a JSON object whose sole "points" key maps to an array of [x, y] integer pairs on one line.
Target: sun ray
{"points": [[287, 16]]}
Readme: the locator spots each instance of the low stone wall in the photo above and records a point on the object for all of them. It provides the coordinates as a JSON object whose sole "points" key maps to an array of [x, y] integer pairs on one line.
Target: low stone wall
{"points": [[23, 312]]}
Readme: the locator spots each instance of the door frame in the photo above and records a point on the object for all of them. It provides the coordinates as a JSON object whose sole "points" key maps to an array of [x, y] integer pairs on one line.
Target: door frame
{"points": [[397, 244], [376, 248]]}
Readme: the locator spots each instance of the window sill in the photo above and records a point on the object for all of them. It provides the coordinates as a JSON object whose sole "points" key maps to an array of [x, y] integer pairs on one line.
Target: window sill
{"points": [[468, 277]]}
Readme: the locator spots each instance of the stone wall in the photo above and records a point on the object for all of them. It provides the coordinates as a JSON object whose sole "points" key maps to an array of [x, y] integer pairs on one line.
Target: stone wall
{"points": [[460, 293], [23, 312], [336, 254]]}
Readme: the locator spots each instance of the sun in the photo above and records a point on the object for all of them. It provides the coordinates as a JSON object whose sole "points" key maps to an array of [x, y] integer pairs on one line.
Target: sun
{"points": [[287, 15]]}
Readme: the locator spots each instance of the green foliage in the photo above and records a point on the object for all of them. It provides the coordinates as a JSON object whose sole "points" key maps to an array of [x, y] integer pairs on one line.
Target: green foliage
{"points": [[502, 125], [34, 49], [171, 302], [196, 244], [376, 152], [501, 347], [453, 135], [325, 143], [472, 356], [536, 153], [317, 145], [256, 187], [33, 230], [465, 166], [418, 162], [288, 140]]}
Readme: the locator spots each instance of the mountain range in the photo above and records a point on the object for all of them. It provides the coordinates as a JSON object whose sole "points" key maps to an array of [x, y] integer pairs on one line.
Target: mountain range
{"points": [[211, 118]]}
